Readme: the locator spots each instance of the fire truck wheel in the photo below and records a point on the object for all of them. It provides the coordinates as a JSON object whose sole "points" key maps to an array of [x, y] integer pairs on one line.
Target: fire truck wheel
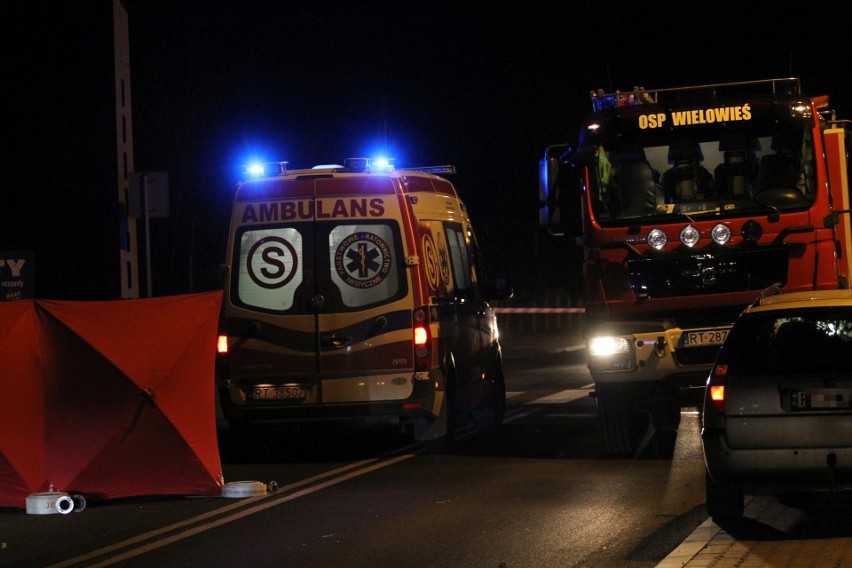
{"points": [[622, 423], [665, 416]]}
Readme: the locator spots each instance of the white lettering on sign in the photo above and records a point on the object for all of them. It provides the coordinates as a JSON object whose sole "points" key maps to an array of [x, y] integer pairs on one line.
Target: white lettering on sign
{"points": [[14, 265], [697, 116], [306, 210]]}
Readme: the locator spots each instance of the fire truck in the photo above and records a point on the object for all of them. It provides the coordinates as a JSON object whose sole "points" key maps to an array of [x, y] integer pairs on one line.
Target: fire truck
{"points": [[687, 203]]}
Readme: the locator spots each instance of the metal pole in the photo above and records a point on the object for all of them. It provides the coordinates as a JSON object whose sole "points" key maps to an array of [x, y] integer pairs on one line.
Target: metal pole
{"points": [[191, 253], [147, 232]]}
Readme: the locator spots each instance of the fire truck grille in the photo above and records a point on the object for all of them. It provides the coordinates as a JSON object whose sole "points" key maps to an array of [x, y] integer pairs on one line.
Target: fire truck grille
{"points": [[708, 271]]}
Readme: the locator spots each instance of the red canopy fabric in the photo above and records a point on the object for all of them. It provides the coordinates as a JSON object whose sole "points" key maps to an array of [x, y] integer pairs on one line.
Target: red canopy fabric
{"points": [[21, 404], [109, 399]]}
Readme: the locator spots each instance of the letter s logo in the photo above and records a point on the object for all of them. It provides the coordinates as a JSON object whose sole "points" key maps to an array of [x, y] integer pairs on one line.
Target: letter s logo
{"points": [[271, 257], [267, 262]]}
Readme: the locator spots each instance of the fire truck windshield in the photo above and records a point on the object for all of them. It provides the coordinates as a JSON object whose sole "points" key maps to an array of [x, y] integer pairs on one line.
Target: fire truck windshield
{"points": [[655, 163]]}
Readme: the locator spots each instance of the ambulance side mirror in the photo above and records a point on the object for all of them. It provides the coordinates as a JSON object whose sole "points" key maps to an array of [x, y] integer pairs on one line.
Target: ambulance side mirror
{"points": [[497, 289]]}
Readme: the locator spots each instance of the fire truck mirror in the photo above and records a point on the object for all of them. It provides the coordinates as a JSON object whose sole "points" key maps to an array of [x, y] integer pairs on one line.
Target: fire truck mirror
{"points": [[550, 215]]}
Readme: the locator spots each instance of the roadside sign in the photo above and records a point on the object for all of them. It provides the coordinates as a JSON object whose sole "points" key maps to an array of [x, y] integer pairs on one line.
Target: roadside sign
{"points": [[17, 275]]}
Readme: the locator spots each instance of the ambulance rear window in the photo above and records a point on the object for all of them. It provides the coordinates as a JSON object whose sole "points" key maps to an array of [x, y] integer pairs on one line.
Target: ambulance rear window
{"points": [[305, 268]]}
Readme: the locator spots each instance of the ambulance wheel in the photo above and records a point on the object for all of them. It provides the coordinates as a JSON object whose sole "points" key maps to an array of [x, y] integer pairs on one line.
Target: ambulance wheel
{"points": [[622, 422], [242, 441], [444, 444], [239, 431], [489, 420]]}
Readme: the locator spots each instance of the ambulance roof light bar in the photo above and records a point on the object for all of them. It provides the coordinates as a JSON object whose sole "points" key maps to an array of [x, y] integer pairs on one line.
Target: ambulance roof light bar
{"points": [[435, 169], [265, 169], [368, 165]]}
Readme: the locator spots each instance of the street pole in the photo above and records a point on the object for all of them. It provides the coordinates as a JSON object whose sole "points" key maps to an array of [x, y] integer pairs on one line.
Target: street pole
{"points": [[147, 231]]}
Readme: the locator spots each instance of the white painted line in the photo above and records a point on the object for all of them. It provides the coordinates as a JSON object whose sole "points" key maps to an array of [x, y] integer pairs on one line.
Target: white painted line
{"points": [[563, 396], [249, 506]]}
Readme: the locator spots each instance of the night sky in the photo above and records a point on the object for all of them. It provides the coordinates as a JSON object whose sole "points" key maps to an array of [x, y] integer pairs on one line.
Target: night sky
{"points": [[484, 86]]}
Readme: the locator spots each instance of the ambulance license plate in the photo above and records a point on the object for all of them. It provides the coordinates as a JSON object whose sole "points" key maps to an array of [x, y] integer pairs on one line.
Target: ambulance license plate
{"points": [[278, 392], [704, 338]]}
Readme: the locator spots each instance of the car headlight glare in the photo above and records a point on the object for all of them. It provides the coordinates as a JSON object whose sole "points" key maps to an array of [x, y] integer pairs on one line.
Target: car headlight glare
{"points": [[611, 353]]}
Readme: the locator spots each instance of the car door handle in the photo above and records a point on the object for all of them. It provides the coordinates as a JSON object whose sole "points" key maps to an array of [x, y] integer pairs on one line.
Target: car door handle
{"points": [[335, 340]]}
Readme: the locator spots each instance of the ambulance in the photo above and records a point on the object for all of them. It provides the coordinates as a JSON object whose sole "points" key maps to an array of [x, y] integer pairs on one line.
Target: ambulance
{"points": [[355, 293]]}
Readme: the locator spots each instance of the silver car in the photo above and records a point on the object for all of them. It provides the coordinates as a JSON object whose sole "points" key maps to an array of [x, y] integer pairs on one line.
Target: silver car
{"points": [[777, 413]]}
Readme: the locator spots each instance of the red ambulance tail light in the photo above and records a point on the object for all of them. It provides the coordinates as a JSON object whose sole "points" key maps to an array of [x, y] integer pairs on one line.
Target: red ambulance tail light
{"points": [[422, 341], [421, 336]]}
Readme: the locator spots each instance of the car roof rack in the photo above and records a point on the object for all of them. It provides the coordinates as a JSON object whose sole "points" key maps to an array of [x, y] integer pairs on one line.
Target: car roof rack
{"points": [[771, 290]]}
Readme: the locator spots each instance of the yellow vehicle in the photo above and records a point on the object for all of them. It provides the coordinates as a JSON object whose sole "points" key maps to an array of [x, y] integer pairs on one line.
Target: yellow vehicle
{"points": [[355, 293]]}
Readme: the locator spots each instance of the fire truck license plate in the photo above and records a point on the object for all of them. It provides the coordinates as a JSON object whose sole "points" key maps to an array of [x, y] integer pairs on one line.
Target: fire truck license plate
{"points": [[706, 337], [285, 392]]}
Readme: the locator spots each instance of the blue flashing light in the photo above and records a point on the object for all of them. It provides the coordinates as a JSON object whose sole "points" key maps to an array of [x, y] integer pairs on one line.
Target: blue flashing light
{"points": [[255, 170], [267, 169], [381, 165], [601, 102]]}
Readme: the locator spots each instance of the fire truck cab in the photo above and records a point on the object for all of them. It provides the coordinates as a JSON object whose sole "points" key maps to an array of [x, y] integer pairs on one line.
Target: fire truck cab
{"points": [[355, 293], [688, 202]]}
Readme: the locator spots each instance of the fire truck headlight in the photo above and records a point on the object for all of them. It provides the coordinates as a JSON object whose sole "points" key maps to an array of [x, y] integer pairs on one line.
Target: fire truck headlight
{"points": [[611, 353], [657, 239], [689, 236], [720, 234]]}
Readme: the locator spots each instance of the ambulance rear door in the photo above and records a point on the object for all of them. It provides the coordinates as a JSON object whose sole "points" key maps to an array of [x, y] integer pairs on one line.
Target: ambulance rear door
{"points": [[322, 270]]}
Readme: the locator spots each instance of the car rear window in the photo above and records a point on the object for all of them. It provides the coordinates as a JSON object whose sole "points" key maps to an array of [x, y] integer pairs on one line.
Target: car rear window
{"points": [[791, 342]]}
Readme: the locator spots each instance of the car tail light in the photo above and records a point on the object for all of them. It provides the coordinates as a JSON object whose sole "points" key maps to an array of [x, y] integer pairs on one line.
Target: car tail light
{"points": [[422, 341], [716, 387]]}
